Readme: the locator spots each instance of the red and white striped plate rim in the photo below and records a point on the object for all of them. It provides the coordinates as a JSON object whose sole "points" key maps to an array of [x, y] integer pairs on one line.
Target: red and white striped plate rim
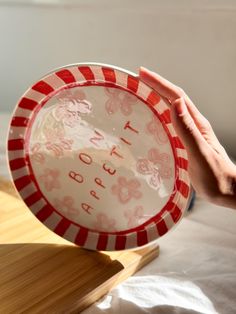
{"points": [[96, 73]]}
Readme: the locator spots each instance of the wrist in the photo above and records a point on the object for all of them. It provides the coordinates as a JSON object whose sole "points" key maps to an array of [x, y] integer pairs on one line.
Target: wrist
{"points": [[227, 190]]}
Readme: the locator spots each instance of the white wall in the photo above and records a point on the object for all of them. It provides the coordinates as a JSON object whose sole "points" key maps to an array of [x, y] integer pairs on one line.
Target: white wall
{"points": [[192, 43]]}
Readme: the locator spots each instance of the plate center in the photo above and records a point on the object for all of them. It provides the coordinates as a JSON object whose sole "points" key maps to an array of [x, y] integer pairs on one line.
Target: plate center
{"points": [[101, 158]]}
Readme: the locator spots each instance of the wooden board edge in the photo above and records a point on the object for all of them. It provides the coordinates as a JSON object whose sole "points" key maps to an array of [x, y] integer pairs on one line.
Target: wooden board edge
{"points": [[146, 256]]}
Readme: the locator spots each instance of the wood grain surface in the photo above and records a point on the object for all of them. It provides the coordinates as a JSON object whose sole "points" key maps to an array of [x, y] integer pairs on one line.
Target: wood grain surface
{"points": [[42, 273]]}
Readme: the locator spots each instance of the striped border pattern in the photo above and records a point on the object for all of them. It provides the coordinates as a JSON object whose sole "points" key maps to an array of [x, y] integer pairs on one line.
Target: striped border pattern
{"points": [[82, 236]]}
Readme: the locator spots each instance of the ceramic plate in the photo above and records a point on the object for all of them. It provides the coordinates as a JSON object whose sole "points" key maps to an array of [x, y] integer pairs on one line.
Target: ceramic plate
{"points": [[94, 155]]}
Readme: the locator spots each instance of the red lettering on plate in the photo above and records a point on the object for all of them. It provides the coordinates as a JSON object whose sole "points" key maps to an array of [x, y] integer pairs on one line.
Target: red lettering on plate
{"points": [[86, 207], [125, 141], [113, 151], [99, 182], [94, 194], [76, 176], [85, 158], [99, 137], [128, 126], [109, 170]]}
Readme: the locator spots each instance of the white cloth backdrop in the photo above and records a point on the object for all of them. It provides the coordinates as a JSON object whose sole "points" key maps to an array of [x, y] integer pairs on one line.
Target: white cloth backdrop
{"points": [[195, 272]]}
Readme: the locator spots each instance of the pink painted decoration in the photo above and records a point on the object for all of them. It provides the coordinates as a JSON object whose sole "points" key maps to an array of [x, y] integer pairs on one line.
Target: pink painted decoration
{"points": [[50, 179], [36, 155], [104, 223], [71, 106], [162, 160], [126, 189], [134, 216], [56, 141], [155, 128], [66, 206], [145, 167], [119, 100], [156, 166]]}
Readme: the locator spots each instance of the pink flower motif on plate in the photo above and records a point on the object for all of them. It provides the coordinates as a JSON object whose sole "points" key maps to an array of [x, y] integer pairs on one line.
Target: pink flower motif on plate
{"points": [[104, 223], [162, 160], [145, 167], [56, 141], [134, 216], [71, 106], [66, 207], [36, 155], [155, 166], [50, 179], [126, 189], [155, 128], [118, 99]]}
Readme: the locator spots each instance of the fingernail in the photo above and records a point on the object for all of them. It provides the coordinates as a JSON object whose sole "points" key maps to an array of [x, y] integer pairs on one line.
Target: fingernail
{"points": [[142, 68]]}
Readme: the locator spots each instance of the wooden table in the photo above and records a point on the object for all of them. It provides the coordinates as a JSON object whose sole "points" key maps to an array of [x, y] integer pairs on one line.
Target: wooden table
{"points": [[43, 273]]}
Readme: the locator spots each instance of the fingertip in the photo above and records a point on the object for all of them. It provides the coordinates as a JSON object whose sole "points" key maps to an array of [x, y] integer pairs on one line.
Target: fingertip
{"points": [[144, 72]]}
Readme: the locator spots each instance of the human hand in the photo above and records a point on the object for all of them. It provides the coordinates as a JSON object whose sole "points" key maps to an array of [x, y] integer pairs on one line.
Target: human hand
{"points": [[212, 173]]}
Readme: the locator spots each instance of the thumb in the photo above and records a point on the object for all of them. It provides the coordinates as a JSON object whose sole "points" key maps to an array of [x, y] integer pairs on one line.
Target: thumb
{"points": [[185, 127]]}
